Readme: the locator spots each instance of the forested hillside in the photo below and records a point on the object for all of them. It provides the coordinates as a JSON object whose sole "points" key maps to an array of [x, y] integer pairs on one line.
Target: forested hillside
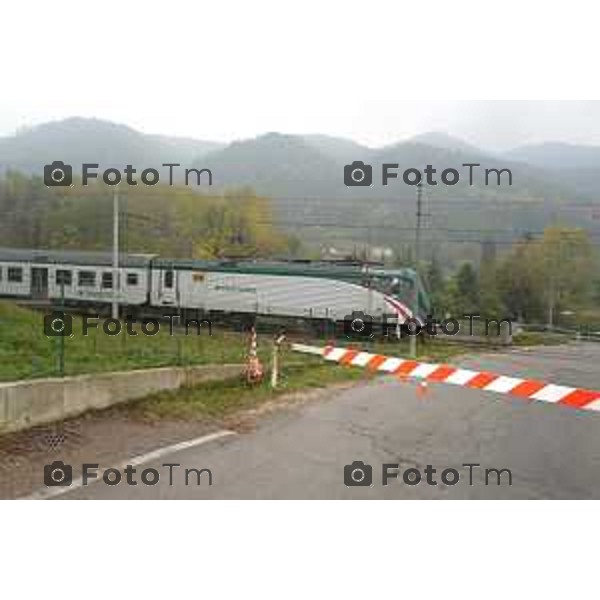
{"points": [[171, 221], [284, 195]]}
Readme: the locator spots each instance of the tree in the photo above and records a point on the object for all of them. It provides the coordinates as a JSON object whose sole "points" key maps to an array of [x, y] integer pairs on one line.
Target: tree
{"points": [[435, 284], [565, 258], [540, 277], [467, 285], [171, 221]]}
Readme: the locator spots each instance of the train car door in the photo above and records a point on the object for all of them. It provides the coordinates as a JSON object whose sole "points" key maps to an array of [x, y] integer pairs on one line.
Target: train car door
{"points": [[168, 287], [39, 282]]}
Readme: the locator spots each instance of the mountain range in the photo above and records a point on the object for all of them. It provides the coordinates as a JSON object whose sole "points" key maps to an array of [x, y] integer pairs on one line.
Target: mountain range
{"points": [[78, 140], [303, 174], [84, 140]]}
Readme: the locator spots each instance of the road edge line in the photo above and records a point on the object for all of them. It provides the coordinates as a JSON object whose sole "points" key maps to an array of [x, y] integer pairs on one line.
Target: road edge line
{"points": [[46, 493]]}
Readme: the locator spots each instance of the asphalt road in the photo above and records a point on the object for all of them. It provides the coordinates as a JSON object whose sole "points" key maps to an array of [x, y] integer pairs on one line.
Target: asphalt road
{"points": [[551, 452]]}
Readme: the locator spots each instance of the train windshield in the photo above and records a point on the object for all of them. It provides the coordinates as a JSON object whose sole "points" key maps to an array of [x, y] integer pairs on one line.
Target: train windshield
{"points": [[393, 285]]}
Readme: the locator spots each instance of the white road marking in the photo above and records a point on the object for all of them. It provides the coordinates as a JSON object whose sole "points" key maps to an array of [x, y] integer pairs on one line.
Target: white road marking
{"points": [[46, 493]]}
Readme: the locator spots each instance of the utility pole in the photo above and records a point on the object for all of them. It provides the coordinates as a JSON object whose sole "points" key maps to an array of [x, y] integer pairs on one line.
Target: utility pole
{"points": [[368, 271], [61, 339], [552, 296], [116, 283], [415, 294]]}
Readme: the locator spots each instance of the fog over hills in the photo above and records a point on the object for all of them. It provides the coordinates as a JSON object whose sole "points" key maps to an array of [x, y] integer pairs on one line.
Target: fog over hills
{"points": [[283, 165], [274, 164], [439, 139], [303, 174], [576, 166], [78, 140], [340, 149], [558, 155]]}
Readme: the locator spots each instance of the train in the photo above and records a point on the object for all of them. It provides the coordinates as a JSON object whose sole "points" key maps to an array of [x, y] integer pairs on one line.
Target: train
{"points": [[282, 290]]}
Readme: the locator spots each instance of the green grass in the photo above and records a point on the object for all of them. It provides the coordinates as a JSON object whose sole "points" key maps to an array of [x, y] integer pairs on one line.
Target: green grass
{"points": [[540, 338], [26, 352], [215, 400]]}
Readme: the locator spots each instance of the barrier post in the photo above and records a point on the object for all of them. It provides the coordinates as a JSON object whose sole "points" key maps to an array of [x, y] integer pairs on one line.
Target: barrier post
{"points": [[275, 361]]}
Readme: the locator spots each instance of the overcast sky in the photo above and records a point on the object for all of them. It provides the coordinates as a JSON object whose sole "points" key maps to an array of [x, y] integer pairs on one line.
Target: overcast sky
{"points": [[225, 70]]}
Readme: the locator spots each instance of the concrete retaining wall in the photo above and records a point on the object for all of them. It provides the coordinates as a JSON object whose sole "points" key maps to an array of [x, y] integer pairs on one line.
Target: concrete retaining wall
{"points": [[24, 404]]}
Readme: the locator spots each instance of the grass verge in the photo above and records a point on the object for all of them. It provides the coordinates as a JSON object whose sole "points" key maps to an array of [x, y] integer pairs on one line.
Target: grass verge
{"points": [[216, 400], [540, 338], [26, 352]]}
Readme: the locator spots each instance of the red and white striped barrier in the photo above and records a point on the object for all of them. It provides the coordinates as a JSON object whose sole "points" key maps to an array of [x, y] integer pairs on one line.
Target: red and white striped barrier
{"points": [[527, 389]]}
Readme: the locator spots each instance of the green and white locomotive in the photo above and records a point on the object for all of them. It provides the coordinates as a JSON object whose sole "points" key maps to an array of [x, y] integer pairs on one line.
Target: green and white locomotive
{"points": [[305, 290]]}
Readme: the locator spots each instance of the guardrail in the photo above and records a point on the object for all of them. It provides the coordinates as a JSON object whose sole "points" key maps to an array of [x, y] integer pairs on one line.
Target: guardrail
{"points": [[24, 404]]}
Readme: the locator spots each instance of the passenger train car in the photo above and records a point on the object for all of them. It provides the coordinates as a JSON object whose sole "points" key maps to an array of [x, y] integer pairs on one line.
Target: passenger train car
{"points": [[310, 290]]}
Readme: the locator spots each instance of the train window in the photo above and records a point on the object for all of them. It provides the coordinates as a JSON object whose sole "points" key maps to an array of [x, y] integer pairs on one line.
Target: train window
{"points": [[0, 273], [15, 274], [63, 277], [395, 286], [390, 285], [169, 279], [132, 279], [86, 278], [107, 281]]}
